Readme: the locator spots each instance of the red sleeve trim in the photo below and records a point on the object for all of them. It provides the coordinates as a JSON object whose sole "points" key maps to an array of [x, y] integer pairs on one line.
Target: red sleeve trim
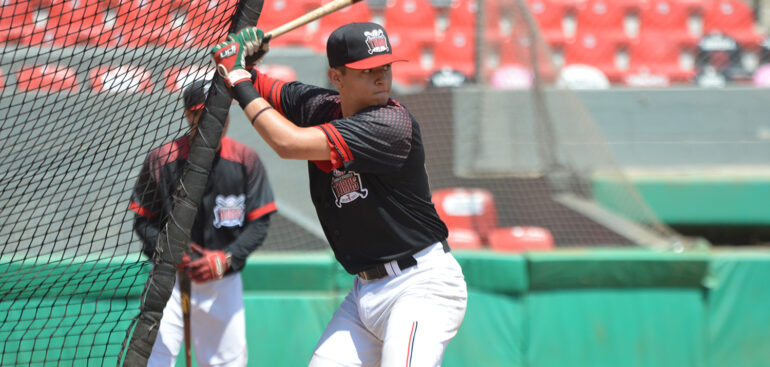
{"points": [[138, 209], [335, 160], [259, 212], [335, 137], [270, 89]]}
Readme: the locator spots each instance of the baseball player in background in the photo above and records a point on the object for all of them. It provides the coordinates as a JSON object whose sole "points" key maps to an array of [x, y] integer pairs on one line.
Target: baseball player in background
{"points": [[370, 190], [232, 221]]}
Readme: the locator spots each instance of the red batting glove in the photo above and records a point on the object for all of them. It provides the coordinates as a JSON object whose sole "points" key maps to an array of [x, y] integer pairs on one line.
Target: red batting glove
{"points": [[211, 265], [184, 264], [186, 259]]}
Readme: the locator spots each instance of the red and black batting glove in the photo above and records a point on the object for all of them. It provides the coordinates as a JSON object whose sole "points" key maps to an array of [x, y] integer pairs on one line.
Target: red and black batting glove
{"points": [[211, 265], [230, 60], [184, 264]]}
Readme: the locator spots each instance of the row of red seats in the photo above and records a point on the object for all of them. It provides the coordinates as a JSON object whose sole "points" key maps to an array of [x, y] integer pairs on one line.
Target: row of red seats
{"points": [[681, 20], [167, 23], [651, 53], [412, 25], [128, 79], [471, 216]]}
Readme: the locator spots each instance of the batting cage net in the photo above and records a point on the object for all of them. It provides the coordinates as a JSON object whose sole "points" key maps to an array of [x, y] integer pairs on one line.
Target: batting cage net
{"points": [[515, 160], [88, 88]]}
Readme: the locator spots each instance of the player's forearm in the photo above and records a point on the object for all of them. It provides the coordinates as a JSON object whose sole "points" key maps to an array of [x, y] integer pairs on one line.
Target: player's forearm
{"points": [[251, 237], [288, 140]]}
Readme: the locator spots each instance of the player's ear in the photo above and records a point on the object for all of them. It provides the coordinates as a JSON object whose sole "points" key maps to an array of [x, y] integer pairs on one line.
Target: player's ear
{"points": [[335, 76]]}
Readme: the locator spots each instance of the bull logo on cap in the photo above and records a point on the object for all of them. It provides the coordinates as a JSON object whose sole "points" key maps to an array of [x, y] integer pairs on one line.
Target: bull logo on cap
{"points": [[376, 41]]}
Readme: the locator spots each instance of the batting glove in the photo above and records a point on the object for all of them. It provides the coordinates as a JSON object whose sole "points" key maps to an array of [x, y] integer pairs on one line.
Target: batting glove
{"points": [[255, 44], [211, 265], [184, 264], [230, 60]]}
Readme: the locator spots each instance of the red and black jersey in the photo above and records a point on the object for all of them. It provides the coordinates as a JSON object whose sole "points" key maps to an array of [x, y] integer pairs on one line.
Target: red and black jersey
{"points": [[372, 196], [237, 194]]}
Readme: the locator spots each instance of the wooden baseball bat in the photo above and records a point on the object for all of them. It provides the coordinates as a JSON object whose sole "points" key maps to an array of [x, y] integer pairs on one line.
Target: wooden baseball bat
{"points": [[311, 16], [184, 288]]}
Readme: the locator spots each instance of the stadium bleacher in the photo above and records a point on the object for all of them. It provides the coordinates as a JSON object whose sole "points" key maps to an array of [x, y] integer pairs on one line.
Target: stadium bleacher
{"points": [[48, 78], [620, 38]]}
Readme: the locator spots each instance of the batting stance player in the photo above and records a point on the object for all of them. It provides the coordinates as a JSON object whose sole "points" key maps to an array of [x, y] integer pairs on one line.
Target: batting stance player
{"points": [[232, 221], [370, 190]]}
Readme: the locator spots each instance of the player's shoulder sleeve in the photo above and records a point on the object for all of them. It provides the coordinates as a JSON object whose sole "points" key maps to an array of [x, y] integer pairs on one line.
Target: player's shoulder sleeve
{"points": [[260, 200], [301, 103], [377, 139], [146, 198]]}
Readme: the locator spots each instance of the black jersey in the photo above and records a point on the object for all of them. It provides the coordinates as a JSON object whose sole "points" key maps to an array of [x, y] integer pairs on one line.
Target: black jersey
{"points": [[237, 193], [372, 197]]}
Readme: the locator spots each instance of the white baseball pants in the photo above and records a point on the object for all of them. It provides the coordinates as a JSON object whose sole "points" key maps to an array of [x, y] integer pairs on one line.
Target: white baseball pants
{"points": [[404, 319], [217, 325]]}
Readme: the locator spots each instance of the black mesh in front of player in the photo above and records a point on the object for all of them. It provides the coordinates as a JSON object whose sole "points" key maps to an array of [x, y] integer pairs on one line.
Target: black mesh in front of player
{"points": [[87, 89]]}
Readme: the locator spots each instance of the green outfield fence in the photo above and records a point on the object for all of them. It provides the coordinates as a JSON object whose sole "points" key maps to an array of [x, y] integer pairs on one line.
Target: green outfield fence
{"points": [[598, 307]]}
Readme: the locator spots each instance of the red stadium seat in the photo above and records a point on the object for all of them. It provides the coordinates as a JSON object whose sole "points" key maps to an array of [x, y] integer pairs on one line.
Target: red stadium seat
{"points": [[203, 22], [462, 15], [654, 56], [553, 19], [124, 78], [520, 239], [416, 70], [50, 78], [467, 208], [169, 23], [2, 80], [591, 49], [278, 12], [414, 17], [455, 50], [464, 239], [671, 17], [25, 22], [734, 18], [608, 18]]}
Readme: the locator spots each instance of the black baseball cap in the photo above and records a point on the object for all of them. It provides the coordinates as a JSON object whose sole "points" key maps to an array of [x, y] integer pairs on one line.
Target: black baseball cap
{"points": [[194, 95], [360, 46]]}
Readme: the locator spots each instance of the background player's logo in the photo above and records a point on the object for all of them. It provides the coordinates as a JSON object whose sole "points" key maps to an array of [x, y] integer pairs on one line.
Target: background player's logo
{"points": [[347, 187], [376, 41], [229, 211]]}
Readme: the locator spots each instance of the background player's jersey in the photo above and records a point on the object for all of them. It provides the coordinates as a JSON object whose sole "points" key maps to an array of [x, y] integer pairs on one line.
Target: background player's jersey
{"points": [[237, 193], [372, 198]]}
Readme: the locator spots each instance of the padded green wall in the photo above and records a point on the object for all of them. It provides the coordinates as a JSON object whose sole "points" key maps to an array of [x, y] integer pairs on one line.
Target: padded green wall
{"points": [[607, 307]]}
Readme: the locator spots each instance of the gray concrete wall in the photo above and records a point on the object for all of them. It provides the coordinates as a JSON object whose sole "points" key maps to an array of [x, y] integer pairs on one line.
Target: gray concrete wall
{"points": [[501, 131]]}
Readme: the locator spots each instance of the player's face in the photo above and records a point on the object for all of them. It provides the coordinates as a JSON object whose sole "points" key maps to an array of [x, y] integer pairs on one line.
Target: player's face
{"points": [[364, 88]]}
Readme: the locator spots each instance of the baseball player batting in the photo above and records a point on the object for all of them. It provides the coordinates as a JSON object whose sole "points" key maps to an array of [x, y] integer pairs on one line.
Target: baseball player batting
{"points": [[370, 190], [232, 221]]}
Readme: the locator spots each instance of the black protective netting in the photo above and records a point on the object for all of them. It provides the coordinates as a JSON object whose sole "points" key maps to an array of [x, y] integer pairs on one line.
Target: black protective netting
{"points": [[88, 88]]}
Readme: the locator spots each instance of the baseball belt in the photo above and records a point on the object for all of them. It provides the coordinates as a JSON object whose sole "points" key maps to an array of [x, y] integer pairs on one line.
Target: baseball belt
{"points": [[403, 263]]}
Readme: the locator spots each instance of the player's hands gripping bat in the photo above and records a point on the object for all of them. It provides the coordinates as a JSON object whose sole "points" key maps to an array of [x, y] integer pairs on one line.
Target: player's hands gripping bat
{"points": [[254, 44], [212, 264], [230, 56]]}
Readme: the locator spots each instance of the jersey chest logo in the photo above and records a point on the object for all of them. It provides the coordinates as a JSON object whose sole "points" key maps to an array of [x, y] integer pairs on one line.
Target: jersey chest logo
{"points": [[229, 211], [347, 187]]}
